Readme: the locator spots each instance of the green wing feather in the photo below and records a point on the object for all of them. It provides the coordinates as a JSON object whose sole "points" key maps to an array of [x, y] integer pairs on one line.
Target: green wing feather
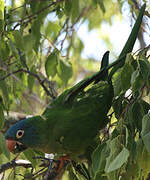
{"points": [[78, 119], [74, 127]]}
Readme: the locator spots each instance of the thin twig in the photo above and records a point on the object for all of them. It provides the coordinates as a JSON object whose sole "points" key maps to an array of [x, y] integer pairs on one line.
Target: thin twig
{"points": [[83, 12], [23, 60], [11, 10], [66, 31], [41, 82], [38, 12]]}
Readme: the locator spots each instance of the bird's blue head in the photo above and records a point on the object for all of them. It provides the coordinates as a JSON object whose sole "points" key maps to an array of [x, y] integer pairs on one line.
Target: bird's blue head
{"points": [[25, 133]]}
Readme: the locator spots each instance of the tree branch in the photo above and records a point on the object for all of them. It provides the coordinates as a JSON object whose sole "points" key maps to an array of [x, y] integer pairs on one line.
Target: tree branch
{"points": [[38, 12], [41, 82], [14, 163]]}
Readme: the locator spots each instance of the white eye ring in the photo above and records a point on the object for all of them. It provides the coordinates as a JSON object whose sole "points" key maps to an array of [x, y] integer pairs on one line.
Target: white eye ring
{"points": [[19, 134]]}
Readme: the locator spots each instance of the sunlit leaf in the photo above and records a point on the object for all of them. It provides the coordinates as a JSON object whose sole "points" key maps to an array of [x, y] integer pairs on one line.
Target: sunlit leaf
{"points": [[126, 76], [75, 10], [3, 148], [13, 48], [64, 71], [28, 42], [115, 149], [2, 118], [143, 158], [144, 69], [5, 94], [51, 64], [52, 29], [29, 154], [136, 81], [101, 5], [1, 15], [146, 131], [4, 49], [31, 79], [1, 9], [99, 158], [18, 38], [120, 159]]}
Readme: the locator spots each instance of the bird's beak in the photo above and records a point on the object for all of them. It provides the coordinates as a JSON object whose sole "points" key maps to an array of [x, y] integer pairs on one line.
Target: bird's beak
{"points": [[11, 144], [15, 146]]}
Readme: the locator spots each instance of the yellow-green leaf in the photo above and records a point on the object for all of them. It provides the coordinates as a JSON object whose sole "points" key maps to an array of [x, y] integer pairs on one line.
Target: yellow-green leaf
{"points": [[1, 9], [64, 70], [51, 64], [3, 148], [2, 119]]}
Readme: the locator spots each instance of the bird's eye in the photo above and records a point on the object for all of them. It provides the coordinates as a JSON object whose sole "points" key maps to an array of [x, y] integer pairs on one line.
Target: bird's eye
{"points": [[19, 134]]}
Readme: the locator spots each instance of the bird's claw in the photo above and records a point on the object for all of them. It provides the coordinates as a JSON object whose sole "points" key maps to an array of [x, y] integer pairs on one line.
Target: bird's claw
{"points": [[56, 167]]}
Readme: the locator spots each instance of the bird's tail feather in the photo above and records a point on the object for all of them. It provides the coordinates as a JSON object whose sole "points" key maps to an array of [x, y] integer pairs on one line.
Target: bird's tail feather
{"points": [[103, 73], [104, 65]]}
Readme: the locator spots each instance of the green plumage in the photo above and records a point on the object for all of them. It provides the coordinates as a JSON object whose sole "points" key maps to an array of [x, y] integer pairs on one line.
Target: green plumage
{"points": [[74, 125], [75, 117]]}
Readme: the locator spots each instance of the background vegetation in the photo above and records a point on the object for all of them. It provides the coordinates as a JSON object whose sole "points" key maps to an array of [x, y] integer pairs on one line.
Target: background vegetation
{"points": [[41, 55]]}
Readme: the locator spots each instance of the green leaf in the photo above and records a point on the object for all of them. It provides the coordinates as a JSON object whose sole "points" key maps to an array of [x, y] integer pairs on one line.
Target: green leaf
{"points": [[18, 39], [135, 75], [145, 133], [144, 69], [100, 176], [72, 9], [117, 106], [36, 34], [28, 42], [68, 7], [52, 29], [3, 148], [101, 5], [29, 154], [99, 158], [120, 159], [115, 148], [136, 81], [134, 118], [31, 79], [64, 70], [1, 9], [2, 118], [143, 158], [5, 94], [51, 64], [13, 49], [117, 83], [4, 49], [75, 10], [126, 76]]}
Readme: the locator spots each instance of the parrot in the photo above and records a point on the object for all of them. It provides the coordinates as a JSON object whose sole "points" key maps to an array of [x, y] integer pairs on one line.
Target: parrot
{"points": [[71, 122]]}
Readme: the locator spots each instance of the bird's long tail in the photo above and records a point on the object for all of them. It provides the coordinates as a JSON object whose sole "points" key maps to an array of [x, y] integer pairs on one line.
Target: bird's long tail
{"points": [[103, 73]]}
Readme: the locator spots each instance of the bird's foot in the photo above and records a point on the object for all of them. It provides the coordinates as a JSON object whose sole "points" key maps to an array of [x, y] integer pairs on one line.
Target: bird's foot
{"points": [[57, 168], [61, 162]]}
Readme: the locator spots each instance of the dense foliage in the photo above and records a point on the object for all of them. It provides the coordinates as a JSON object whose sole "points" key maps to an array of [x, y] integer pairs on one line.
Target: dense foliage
{"points": [[40, 56]]}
